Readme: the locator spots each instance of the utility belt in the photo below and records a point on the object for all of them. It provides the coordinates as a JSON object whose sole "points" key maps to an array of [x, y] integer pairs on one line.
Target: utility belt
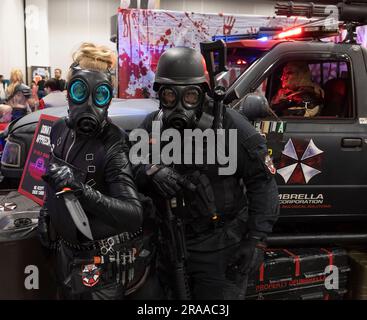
{"points": [[106, 262], [107, 245]]}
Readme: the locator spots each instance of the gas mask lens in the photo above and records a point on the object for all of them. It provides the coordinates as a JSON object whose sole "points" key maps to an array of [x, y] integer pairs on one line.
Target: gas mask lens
{"points": [[78, 91], [191, 97], [102, 95], [168, 97]]}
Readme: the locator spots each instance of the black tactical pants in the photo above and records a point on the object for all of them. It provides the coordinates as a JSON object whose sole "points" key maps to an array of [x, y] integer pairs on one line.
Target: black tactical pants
{"points": [[206, 267], [208, 275]]}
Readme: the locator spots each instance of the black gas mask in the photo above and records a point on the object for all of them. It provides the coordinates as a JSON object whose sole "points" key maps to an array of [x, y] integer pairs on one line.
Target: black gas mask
{"points": [[89, 96], [181, 105]]}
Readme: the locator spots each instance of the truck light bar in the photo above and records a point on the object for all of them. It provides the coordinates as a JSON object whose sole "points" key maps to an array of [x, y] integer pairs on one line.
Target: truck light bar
{"points": [[290, 33], [303, 32]]}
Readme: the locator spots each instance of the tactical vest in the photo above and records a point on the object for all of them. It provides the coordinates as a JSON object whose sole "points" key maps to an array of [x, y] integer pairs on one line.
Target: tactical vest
{"points": [[230, 199]]}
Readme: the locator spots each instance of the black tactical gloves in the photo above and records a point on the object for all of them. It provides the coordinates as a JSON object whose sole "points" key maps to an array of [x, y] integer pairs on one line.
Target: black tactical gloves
{"points": [[60, 177], [249, 256], [166, 181]]}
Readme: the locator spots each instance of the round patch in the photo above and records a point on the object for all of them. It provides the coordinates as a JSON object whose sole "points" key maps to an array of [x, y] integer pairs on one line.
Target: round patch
{"points": [[270, 165], [90, 275]]}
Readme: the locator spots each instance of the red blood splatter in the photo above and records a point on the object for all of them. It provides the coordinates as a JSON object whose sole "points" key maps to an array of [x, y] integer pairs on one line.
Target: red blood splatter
{"points": [[198, 25], [138, 93], [143, 69], [171, 16], [124, 74]]}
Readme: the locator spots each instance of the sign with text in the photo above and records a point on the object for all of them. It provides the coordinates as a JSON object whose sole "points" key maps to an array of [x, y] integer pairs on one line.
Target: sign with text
{"points": [[31, 185]]}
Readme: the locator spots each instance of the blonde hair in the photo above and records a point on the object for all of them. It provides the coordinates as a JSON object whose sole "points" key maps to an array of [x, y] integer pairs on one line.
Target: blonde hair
{"points": [[92, 57], [16, 77]]}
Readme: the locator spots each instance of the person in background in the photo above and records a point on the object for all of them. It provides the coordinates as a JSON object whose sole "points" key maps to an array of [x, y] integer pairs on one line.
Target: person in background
{"points": [[34, 89], [54, 95], [2, 89], [57, 76], [298, 95], [18, 95], [41, 88], [37, 78], [16, 78], [5, 110]]}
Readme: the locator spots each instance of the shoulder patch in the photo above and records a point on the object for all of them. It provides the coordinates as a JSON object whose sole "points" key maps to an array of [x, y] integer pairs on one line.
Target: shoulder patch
{"points": [[270, 165]]}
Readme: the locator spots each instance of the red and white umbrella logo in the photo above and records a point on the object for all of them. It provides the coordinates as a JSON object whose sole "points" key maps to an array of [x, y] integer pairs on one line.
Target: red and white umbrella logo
{"points": [[300, 162]]}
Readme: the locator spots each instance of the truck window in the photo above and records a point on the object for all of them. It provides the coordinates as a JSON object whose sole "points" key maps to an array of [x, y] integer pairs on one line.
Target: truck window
{"points": [[238, 60], [310, 89]]}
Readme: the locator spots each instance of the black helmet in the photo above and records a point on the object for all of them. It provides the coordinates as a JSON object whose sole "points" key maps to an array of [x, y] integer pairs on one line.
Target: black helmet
{"points": [[181, 65]]}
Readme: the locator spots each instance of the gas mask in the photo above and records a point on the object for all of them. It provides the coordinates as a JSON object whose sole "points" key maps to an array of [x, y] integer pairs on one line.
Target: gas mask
{"points": [[181, 105], [89, 96]]}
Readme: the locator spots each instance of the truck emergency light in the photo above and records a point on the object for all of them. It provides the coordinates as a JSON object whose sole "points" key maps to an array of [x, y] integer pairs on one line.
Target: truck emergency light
{"points": [[290, 33], [241, 62], [307, 31]]}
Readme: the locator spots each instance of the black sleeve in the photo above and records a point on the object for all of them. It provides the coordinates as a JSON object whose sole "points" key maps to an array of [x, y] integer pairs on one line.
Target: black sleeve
{"points": [[261, 188], [254, 168], [122, 207]]}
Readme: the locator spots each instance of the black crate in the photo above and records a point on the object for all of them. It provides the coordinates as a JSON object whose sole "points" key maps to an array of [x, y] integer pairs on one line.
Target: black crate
{"points": [[286, 272]]}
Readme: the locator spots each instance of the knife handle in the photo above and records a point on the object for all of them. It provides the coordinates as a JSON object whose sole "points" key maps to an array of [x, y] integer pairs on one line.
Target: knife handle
{"points": [[65, 190]]}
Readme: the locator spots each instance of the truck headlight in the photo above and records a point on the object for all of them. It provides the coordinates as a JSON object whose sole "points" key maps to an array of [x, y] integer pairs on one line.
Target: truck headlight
{"points": [[11, 154]]}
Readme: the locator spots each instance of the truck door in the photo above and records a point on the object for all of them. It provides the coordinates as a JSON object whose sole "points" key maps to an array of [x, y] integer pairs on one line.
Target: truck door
{"points": [[321, 169]]}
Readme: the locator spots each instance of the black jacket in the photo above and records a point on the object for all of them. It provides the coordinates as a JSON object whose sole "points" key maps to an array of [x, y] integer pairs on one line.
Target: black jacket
{"points": [[257, 208], [112, 202]]}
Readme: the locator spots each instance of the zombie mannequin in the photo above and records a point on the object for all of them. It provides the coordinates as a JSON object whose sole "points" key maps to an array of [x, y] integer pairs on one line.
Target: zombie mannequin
{"points": [[225, 229], [298, 95], [89, 156]]}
